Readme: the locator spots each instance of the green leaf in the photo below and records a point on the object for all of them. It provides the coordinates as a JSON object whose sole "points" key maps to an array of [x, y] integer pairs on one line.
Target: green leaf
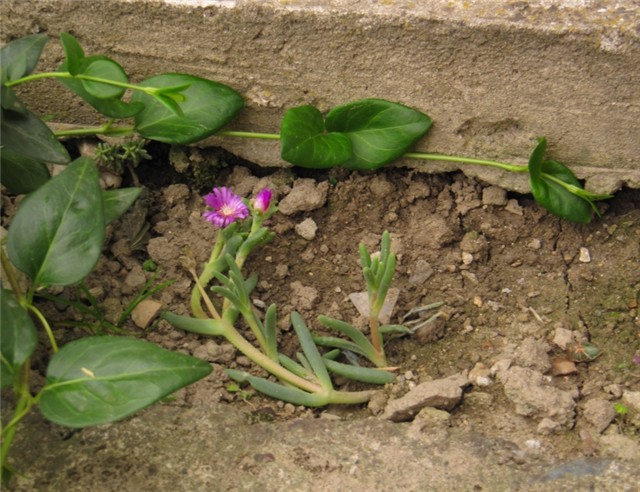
{"points": [[25, 134], [278, 391], [305, 143], [20, 57], [380, 131], [18, 337], [544, 176], [73, 51], [57, 234], [113, 107], [362, 374], [103, 68], [311, 351], [102, 379], [21, 174], [207, 108], [117, 202]]}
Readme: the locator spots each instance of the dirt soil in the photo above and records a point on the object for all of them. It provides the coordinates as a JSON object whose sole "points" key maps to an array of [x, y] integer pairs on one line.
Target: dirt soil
{"points": [[524, 295]]}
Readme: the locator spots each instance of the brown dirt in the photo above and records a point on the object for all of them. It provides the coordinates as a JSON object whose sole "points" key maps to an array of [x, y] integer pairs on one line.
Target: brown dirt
{"points": [[509, 275]]}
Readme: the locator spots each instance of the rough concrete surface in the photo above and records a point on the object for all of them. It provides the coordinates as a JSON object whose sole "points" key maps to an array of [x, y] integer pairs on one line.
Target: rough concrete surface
{"points": [[493, 75], [210, 448]]}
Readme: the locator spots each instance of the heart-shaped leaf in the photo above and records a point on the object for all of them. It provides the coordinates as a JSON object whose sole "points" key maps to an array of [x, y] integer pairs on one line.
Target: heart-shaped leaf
{"points": [[57, 234], [102, 379], [117, 202], [21, 174], [207, 107], [20, 57], [18, 337], [74, 52], [380, 131], [25, 134], [546, 178], [305, 143]]}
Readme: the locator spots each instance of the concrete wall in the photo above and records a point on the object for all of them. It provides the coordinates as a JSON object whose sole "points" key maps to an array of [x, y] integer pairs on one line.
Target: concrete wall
{"points": [[492, 74]]}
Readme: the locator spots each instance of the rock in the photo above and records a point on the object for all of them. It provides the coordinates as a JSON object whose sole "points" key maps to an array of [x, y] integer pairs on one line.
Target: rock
{"points": [[599, 413], [533, 396], [585, 256], [514, 207], [145, 312], [431, 332], [622, 447], [563, 338], [307, 229], [492, 195], [480, 375], [303, 298], [306, 195], [548, 426], [443, 394], [380, 186], [533, 353], [632, 399], [420, 272]]}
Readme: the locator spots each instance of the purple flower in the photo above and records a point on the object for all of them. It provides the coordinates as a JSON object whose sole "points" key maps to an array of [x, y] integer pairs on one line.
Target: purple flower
{"points": [[262, 200], [636, 359], [226, 207]]}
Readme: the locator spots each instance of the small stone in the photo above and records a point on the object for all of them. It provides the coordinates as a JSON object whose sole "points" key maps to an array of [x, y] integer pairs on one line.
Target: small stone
{"points": [[585, 256], [548, 426], [492, 195], [420, 272], [535, 244], [563, 338], [467, 258], [514, 207], [614, 390], [599, 413], [307, 229], [306, 195], [632, 398], [145, 312], [479, 375]]}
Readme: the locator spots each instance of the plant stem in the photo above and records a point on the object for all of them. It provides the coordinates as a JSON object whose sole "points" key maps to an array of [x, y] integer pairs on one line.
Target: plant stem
{"points": [[466, 160], [264, 136], [24, 404], [45, 325], [67, 75]]}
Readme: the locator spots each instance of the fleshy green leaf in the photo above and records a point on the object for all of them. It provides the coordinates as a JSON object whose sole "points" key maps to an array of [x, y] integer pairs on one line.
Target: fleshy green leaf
{"points": [[18, 337], [544, 176], [278, 391], [311, 351], [208, 107], [305, 143], [380, 131], [25, 134], [74, 52], [20, 57], [57, 234], [21, 174], [363, 374], [103, 68], [102, 379], [117, 202]]}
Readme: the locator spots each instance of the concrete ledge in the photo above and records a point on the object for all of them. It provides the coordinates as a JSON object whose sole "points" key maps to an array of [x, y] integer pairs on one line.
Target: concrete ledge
{"points": [[493, 75]]}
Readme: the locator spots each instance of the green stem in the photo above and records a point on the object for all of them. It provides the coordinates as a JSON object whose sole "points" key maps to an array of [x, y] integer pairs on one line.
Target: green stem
{"points": [[264, 136], [106, 129], [45, 325], [466, 160], [67, 75]]}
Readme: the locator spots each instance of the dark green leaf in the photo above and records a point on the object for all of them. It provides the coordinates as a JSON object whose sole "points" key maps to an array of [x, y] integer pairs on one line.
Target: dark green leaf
{"points": [[20, 57], [25, 134], [21, 174], [305, 143], [207, 108], [74, 52], [57, 234], [112, 107], [10, 100], [550, 194], [117, 202], [103, 68], [18, 337], [380, 131], [102, 379]]}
